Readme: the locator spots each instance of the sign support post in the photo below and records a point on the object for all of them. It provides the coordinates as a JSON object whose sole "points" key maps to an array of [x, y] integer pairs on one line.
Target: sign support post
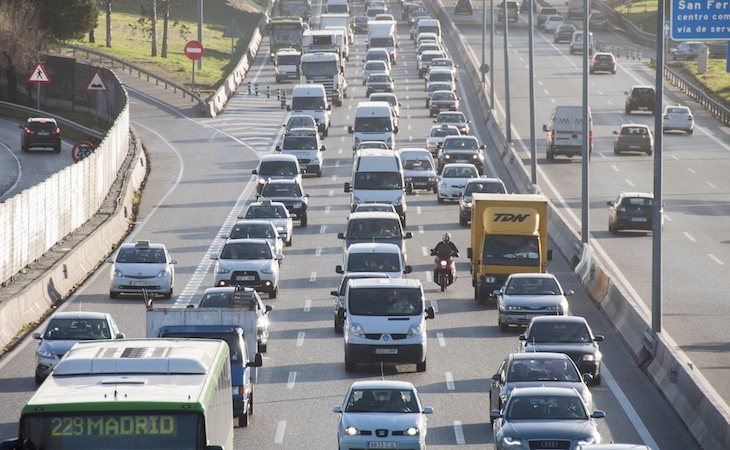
{"points": [[194, 51], [38, 76]]}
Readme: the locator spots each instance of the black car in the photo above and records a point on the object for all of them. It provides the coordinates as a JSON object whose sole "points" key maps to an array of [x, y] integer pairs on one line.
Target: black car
{"points": [[40, 132], [630, 211], [566, 334], [640, 98], [291, 194], [633, 137], [564, 33], [360, 25], [443, 101], [598, 21], [463, 7], [461, 149], [603, 62]]}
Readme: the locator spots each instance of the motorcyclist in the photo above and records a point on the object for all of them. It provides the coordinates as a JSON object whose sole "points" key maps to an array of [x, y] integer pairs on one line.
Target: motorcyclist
{"points": [[444, 250]]}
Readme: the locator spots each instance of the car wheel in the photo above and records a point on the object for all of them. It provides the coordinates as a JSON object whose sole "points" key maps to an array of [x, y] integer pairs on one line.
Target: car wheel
{"points": [[338, 327], [274, 293], [289, 242], [627, 110], [440, 200], [243, 419], [263, 347], [550, 155], [596, 380], [690, 132], [463, 221], [349, 366], [167, 295], [38, 379], [612, 228], [319, 173], [648, 153], [57, 148], [24, 148], [113, 294], [616, 151], [421, 367], [326, 132], [435, 190]]}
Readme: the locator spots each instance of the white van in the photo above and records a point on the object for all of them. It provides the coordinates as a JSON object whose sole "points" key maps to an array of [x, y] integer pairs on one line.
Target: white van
{"points": [[375, 226], [565, 132], [374, 257], [385, 322], [576, 42], [429, 26], [378, 178], [373, 122], [311, 99]]}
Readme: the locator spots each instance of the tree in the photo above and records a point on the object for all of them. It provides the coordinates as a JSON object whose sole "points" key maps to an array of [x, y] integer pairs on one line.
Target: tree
{"points": [[67, 19], [108, 8], [21, 40], [165, 23], [153, 28]]}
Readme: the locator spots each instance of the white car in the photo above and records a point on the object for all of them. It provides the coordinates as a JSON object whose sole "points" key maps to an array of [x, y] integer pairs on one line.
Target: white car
{"points": [[678, 118], [527, 295], [276, 213], [382, 414], [553, 22], [453, 179], [250, 263], [258, 229], [374, 66], [142, 267], [437, 135]]}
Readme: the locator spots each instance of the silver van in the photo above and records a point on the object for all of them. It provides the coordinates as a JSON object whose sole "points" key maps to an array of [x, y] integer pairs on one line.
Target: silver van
{"points": [[565, 132]]}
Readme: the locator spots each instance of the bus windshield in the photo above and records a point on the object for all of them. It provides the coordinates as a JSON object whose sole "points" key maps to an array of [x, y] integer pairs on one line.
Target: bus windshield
{"points": [[110, 430]]}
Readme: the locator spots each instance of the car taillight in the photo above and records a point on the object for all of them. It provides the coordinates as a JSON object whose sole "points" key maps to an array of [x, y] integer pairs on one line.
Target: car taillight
{"points": [[552, 135], [28, 131], [590, 136], [57, 132]]}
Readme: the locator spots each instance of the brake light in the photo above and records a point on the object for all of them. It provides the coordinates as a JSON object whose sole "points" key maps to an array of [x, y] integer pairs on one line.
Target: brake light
{"points": [[57, 132], [552, 135], [590, 137], [28, 131]]}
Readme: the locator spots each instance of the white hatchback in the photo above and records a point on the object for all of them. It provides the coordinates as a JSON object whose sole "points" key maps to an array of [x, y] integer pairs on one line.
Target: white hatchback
{"points": [[678, 118], [453, 179]]}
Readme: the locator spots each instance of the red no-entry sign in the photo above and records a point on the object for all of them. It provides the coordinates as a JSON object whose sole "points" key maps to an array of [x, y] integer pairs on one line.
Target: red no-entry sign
{"points": [[194, 50]]}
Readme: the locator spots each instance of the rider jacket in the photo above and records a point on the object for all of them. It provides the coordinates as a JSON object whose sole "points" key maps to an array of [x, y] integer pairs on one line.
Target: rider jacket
{"points": [[445, 250]]}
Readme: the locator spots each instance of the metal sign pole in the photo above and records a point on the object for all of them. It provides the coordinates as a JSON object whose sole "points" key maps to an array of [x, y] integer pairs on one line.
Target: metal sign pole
{"points": [[37, 96], [586, 129], [656, 213], [193, 88]]}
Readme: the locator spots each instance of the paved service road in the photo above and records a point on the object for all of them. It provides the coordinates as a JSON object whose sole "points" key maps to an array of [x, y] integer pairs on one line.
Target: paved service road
{"points": [[695, 254], [201, 180], [20, 170]]}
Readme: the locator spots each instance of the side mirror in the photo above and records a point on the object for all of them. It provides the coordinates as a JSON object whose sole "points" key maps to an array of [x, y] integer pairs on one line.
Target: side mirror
{"points": [[329, 107], [306, 195], [350, 130], [427, 410], [497, 292], [609, 203], [173, 261], [257, 361], [587, 378], [278, 148], [495, 414], [334, 293], [36, 335], [395, 130], [269, 308], [323, 148], [626, 92], [568, 292], [598, 414], [340, 235], [288, 108], [110, 260], [598, 338], [408, 235], [482, 147], [430, 313], [615, 132], [468, 252], [338, 269], [348, 188], [214, 257], [407, 269], [544, 127], [279, 257], [497, 377], [337, 409], [122, 335], [255, 172], [522, 337]]}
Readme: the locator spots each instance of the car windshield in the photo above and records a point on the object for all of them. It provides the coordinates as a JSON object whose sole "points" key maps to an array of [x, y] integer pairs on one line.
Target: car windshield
{"points": [[382, 42], [301, 122], [543, 370], [575, 332], [216, 300], [443, 132], [417, 164], [636, 201], [451, 118], [281, 190], [544, 407], [308, 103], [77, 329], [440, 77], [252, 230], [288, 59], [683, 111], [460, 144], [278, 168], [385, 302], [378, 180], [443, 96], [382, 401], [373, 262], [373, 124], [390, 99], [484, 188], [433, 87], [246, 250], [365, 207], [442, 63], [459, 172], [532, 286], [375, 66], [135, 255], [374, 229], [266, 212], [299, 143], [379, 79], [42, 126]]}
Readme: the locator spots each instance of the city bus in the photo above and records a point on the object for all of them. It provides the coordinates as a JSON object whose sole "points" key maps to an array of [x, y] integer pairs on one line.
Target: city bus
{"points": [[286, 32], [145, 394], [293, 8]]}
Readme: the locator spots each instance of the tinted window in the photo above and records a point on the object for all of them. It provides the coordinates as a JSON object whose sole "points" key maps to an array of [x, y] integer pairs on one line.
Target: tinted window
{"points": [[252, 230], [279, 168], [378, 180], [373, 262], [543, 370], [545, 407], [42, 126], [558, 332], [134, 255], [461, 143], [281, 190], [373, 228], [385, 302], [459, 172], [266, 212], [246, 250], [382, 401], [77, 329], [484, 188], [532, 286]]}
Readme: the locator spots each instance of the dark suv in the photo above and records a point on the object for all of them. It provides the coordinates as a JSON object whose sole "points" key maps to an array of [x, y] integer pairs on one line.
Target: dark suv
{"points": [[41, 132], [291, 194], [640, 98], [598, 21], [463, 7], [631, 211]]}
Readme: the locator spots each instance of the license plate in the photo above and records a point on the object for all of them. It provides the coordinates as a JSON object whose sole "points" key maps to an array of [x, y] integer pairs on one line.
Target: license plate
{"points": [[245, 278], [43, 133], [386, 351], [140, 283], [384, 444], [635, 146], [638, 219]]}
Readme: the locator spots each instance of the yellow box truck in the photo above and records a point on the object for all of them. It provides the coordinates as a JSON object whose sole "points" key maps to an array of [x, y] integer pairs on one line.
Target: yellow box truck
{"points": [[509, 234]]}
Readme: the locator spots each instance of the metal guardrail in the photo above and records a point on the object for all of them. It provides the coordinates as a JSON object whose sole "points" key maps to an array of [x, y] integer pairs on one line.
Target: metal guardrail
{"points": [[141, 72], [65, 122], [696, 93]]}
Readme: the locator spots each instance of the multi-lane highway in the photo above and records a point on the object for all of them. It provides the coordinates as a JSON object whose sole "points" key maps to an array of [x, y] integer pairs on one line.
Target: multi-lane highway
{"points": [[201, 179]]}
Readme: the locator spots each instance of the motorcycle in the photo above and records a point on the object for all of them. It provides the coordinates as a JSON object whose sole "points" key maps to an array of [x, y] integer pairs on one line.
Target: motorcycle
{"points": [[444, 269]]}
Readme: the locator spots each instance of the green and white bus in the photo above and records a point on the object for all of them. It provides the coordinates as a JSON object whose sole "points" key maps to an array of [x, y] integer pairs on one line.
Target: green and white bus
{"points": [[142, 394]]}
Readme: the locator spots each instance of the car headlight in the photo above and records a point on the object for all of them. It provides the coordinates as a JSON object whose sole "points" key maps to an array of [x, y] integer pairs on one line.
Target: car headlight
{"points": [[297, 204], [352, 431], [267, 270], [44, 353], [475, 156], [511, 441], [587, 441], [280, 229], [118, 273], [412, 431], [221, 270], [415, 330], [447, 156], [443, 185], [490, 279], [162, 273], [357, 330], [512, 308], [432, 179], [398, 201], [588, 358]]}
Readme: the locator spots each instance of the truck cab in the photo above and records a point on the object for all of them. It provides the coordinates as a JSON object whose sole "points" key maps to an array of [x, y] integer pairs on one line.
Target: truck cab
{"points": [[325, 68], [286, 64]]}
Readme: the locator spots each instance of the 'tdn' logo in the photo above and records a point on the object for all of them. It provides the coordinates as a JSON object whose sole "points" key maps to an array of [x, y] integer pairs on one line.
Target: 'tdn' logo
{"points": [[503, 217]]}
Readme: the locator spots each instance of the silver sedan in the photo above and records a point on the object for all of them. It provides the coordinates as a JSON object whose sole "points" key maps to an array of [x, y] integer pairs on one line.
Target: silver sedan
{"points": [[527, 295]]}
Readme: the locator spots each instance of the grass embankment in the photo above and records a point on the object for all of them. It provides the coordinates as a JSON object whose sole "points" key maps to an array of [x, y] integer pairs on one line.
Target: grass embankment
{"points": [[642, 13], [131, 37]]}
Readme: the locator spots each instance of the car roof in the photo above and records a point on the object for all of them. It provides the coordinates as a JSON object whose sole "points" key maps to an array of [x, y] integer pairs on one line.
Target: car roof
{"points": [[443, 126], [79, 315], [372, 215], [247, 241], [637, 194], [223, 289], [284, 181], [266, 203], [571, 319], [459, 165], [382, 384], [254, 222], [41, 120], [411, 152], [141, 242], [461, 136], [302, 132], [373, 247], [489, 180], [385, 282], [642, 86], [545, 390], [538, 355], [279, 157], [533, 275]]}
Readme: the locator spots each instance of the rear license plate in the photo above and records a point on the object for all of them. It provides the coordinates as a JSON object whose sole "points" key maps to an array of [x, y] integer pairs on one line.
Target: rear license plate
{"points": [[384, 444], [43, 133], [635, 147], [386, 351], [245, 278], [638, 219], [140, 283]]}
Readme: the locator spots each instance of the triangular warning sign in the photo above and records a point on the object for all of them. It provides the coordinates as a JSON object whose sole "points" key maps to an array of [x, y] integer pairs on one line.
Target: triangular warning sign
{"points": [[39, 75], [96, 83]]}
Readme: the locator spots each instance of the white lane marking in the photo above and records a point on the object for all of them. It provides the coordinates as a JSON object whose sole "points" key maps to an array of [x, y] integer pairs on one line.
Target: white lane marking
{"points": [[689, 236], [280, 428], [410, 138], [539, 83], [418, 210], [440, 338], [553, 100], [629, 182], [674, 157], [331, 192], [322, 229], [615, 169], [339, 151], [410, 127], [334, 178], [337, 163], [300, 339], [449, 381], [633, 417], [307, 305], [327, 209], [716, 259], [424, 250], [459, 433], [292, 380], [546, 92], [313, 277], [435, 305], [609, 102], [711, 185], [342, 139], [318, 251], [420, 229], [691, 170], [429, 275]]}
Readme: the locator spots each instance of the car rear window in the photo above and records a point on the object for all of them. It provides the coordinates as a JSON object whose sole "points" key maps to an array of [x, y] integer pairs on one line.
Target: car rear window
{"points": [[42, 126], [636, 201], [634, 131]]}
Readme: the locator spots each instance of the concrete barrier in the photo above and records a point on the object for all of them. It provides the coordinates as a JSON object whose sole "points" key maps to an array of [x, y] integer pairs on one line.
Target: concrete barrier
{"points": [[76, 256], [695, 401]]}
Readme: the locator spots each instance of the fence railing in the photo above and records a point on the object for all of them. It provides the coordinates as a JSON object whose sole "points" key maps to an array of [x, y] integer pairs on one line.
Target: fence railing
{"points": [[696, 93]]}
